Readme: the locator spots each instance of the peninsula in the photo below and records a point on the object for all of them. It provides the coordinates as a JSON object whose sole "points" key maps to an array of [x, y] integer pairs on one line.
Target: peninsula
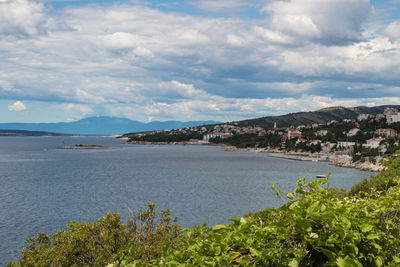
{"points": [[80, 146]]}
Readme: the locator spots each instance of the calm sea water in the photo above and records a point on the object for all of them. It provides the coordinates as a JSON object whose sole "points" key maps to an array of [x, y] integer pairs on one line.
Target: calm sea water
{"points": [[44, 187]]}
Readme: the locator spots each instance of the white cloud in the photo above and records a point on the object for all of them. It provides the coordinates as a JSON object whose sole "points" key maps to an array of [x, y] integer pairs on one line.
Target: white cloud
{"points": [[143, 52], [20, 17], [77, 111], [139, 62], [17, 106], [326, 21], [393, 31]]}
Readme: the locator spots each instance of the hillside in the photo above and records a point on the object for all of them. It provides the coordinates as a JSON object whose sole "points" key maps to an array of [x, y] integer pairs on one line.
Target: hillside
{"points": [[319, 116], [101, 126]]}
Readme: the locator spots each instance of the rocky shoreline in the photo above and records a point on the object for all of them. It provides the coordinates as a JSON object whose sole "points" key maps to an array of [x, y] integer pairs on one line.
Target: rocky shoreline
{"points": [[316, 157], [86, 147]]}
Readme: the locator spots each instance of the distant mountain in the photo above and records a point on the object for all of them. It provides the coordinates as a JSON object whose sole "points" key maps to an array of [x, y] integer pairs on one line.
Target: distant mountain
{"points": [[102, 126], [27, 133], [320, 116]]}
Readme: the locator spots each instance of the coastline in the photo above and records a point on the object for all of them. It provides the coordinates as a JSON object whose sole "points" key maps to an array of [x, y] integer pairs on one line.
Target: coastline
{"points": [[332, 158], [316, 157]]}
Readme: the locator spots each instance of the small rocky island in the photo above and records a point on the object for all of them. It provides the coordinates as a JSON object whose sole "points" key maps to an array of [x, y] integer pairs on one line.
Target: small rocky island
{"points": [[80, 146]]}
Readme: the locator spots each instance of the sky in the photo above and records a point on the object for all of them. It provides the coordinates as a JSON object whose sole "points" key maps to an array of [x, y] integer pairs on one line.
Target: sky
{"points": [[191, 60]]}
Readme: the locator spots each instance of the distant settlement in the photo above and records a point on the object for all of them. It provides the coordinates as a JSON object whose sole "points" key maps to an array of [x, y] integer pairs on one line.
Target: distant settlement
{"points": [[358, 143]]}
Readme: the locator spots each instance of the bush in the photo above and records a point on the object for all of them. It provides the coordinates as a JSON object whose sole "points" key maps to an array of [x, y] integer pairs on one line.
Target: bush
{"points": [[314, 229], [104, 241]]}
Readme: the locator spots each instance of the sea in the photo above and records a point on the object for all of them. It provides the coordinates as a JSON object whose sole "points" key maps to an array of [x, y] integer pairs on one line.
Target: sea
{"points": [[43, 187]]}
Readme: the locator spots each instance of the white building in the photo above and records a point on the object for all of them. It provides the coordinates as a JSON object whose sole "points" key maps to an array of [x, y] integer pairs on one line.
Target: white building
{"points": [[393, 117], [373, 142], [345, 144]]}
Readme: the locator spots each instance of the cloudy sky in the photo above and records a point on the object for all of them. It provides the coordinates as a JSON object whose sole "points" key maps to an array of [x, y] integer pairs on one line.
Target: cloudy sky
{"points": [[194, 59]]}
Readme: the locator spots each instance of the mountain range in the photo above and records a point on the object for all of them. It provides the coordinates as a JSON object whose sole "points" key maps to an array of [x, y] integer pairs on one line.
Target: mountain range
{"points": [[116, 126], [102, 126]]}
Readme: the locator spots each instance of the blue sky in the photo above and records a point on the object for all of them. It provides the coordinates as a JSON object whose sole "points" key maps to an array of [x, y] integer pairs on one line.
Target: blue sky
{"points": [[194, 59]]}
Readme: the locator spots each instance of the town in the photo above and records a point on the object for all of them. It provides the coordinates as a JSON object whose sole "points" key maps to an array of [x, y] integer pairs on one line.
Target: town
{"points": [[355, 142]]}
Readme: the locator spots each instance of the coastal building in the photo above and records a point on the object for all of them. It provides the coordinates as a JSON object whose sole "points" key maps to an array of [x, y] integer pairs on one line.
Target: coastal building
{"points": [[293, 134], [392, 115], [345, 144], [209, 136], [373, 142]]}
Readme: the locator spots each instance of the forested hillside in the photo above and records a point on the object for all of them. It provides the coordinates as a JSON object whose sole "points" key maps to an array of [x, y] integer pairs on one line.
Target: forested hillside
{"points": [[321, 116]]}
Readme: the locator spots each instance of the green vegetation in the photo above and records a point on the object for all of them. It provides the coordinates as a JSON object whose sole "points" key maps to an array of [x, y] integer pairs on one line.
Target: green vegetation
{"points": [[318, 226], [321, 116], [382, 182], [28, 133], [104, 241], [166, 137], [250, 140]]}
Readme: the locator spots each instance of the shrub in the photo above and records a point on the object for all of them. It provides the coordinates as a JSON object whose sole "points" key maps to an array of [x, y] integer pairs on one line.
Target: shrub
{"points": [[314, 229], [104, 241]]}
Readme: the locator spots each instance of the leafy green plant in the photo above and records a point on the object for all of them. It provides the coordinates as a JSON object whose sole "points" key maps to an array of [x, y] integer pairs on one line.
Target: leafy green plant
{"points": [[104, 241]]}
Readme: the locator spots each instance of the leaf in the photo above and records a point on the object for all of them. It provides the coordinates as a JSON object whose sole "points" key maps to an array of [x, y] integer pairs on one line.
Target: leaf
{"points": [[290, 196], [396, 259], [254, 252], [378, 261], [340, 262], [293, 263], [219, 227], [303, 226], [243, 220], [314, 235], [378, 247], [366, 228], [352, 248], [233, 256], [373, 236], [217, 250], [347, 262], [234, 219]]}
